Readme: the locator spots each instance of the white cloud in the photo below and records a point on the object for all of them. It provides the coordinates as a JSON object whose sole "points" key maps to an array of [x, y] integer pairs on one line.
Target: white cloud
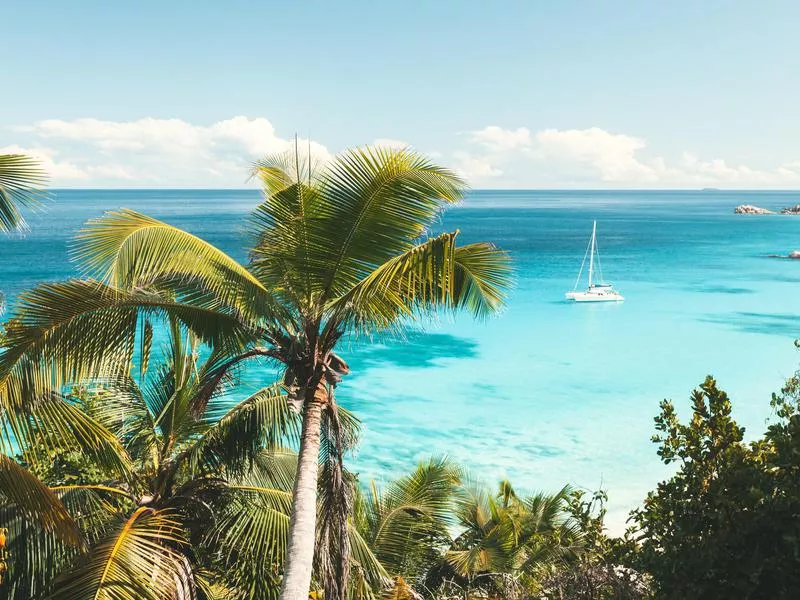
{"points": [[57, 169], [497, 139], [150, 152], [596, 157], [474, 168], [611, 156]]}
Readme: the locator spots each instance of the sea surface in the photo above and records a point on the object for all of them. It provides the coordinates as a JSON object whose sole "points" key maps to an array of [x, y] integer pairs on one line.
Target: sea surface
{"points": [[549, 392]]}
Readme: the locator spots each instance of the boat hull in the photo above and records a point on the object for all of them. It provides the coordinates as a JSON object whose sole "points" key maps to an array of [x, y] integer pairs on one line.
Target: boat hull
{"points": [[595, 297]]}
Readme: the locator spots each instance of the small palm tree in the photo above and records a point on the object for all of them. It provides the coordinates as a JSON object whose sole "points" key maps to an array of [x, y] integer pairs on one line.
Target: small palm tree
{"points": [[341, 250], [183, 458], [506, 540], [406, 525]]}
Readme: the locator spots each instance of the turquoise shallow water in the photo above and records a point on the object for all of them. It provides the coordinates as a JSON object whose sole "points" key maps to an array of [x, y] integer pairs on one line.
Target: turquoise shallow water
{"points": [[549, 392]]}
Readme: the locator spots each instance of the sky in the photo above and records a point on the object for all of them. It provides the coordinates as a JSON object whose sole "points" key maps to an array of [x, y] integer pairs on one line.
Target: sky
{"points": [[514, 94]]}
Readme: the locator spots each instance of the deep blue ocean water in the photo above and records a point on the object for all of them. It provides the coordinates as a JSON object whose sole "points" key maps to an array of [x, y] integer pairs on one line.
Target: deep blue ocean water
{"points": [[549, 392]]}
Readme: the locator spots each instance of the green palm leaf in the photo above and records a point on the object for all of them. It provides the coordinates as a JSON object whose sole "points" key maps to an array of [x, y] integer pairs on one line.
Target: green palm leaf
{"points": [[366, 563], [377, 202], [434, 273], [234, 441], [37, 556], [420, 278], [127, 249], [21, 181], [66, 332], [284, 227], [249, 539], [38, 502], [137, 562], [96, 509], [405, 517], [482, 274]]}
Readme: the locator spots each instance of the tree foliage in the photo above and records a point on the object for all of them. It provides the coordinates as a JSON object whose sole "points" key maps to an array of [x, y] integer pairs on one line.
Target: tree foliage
{"points": [[727, 524]]}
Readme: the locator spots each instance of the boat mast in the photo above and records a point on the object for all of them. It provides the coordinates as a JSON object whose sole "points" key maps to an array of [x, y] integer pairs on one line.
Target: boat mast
{"points": [[591, 256]]}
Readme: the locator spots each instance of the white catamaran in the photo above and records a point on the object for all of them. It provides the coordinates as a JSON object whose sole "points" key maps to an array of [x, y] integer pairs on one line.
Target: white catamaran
{"points": [[597, 292]]}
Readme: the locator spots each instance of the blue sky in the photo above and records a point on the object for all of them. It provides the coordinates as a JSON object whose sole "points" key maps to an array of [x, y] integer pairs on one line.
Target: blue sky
{"points": [[512, 94]]}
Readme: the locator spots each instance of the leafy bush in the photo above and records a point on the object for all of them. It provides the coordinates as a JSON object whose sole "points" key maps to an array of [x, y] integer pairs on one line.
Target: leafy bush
{"points": [[727, 524]]}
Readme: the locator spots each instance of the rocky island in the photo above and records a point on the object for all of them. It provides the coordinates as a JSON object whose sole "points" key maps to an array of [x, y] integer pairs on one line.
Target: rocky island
{"points": [[749, 209], [794, 254]]}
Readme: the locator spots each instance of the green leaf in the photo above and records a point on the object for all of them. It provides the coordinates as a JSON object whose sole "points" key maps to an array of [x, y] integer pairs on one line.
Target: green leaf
{"points": [[21, 181], [129, 250], [377, 202], [38, 502], [139, 561]]}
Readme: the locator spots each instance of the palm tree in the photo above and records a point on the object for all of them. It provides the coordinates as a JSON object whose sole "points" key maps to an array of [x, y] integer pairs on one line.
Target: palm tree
{"points": [[506, 540], [406, 525], [202, 505], [339, 251], [184, 457]]}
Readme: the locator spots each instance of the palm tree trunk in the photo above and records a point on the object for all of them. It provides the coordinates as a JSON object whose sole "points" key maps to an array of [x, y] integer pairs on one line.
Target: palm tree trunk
{"points": [[299, 561]]}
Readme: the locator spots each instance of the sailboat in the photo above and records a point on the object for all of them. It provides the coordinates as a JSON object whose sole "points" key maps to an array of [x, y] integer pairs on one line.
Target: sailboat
{"points": [[596, 292]]}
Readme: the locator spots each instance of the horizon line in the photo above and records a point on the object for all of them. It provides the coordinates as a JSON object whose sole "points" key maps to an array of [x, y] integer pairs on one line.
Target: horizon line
{"points": [[476, 189]]}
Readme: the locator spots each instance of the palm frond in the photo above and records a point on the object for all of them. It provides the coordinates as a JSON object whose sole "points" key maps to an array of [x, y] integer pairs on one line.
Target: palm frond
{"points": [[264, 420], [273, 468], [37, 556], [249, 540], [406, 518], [139, 561], [435, 274], [482, 274], [36, 501], [377, 202], [124, 411], [219, 369], [127, 249], [286, 229], [52, 423], [212, 586], [419, 278], [96, 509], [285, 255], [365, 563], [282, 170], [78, 329], [21, 181], [546, 511]]}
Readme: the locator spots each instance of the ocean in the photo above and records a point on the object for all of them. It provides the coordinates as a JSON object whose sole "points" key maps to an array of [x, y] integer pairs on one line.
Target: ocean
{"points": [[548, 392]]}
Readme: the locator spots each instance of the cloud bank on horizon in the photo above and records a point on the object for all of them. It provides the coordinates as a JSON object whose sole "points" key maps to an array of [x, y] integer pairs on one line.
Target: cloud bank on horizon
{"points": [[152, 152]]}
